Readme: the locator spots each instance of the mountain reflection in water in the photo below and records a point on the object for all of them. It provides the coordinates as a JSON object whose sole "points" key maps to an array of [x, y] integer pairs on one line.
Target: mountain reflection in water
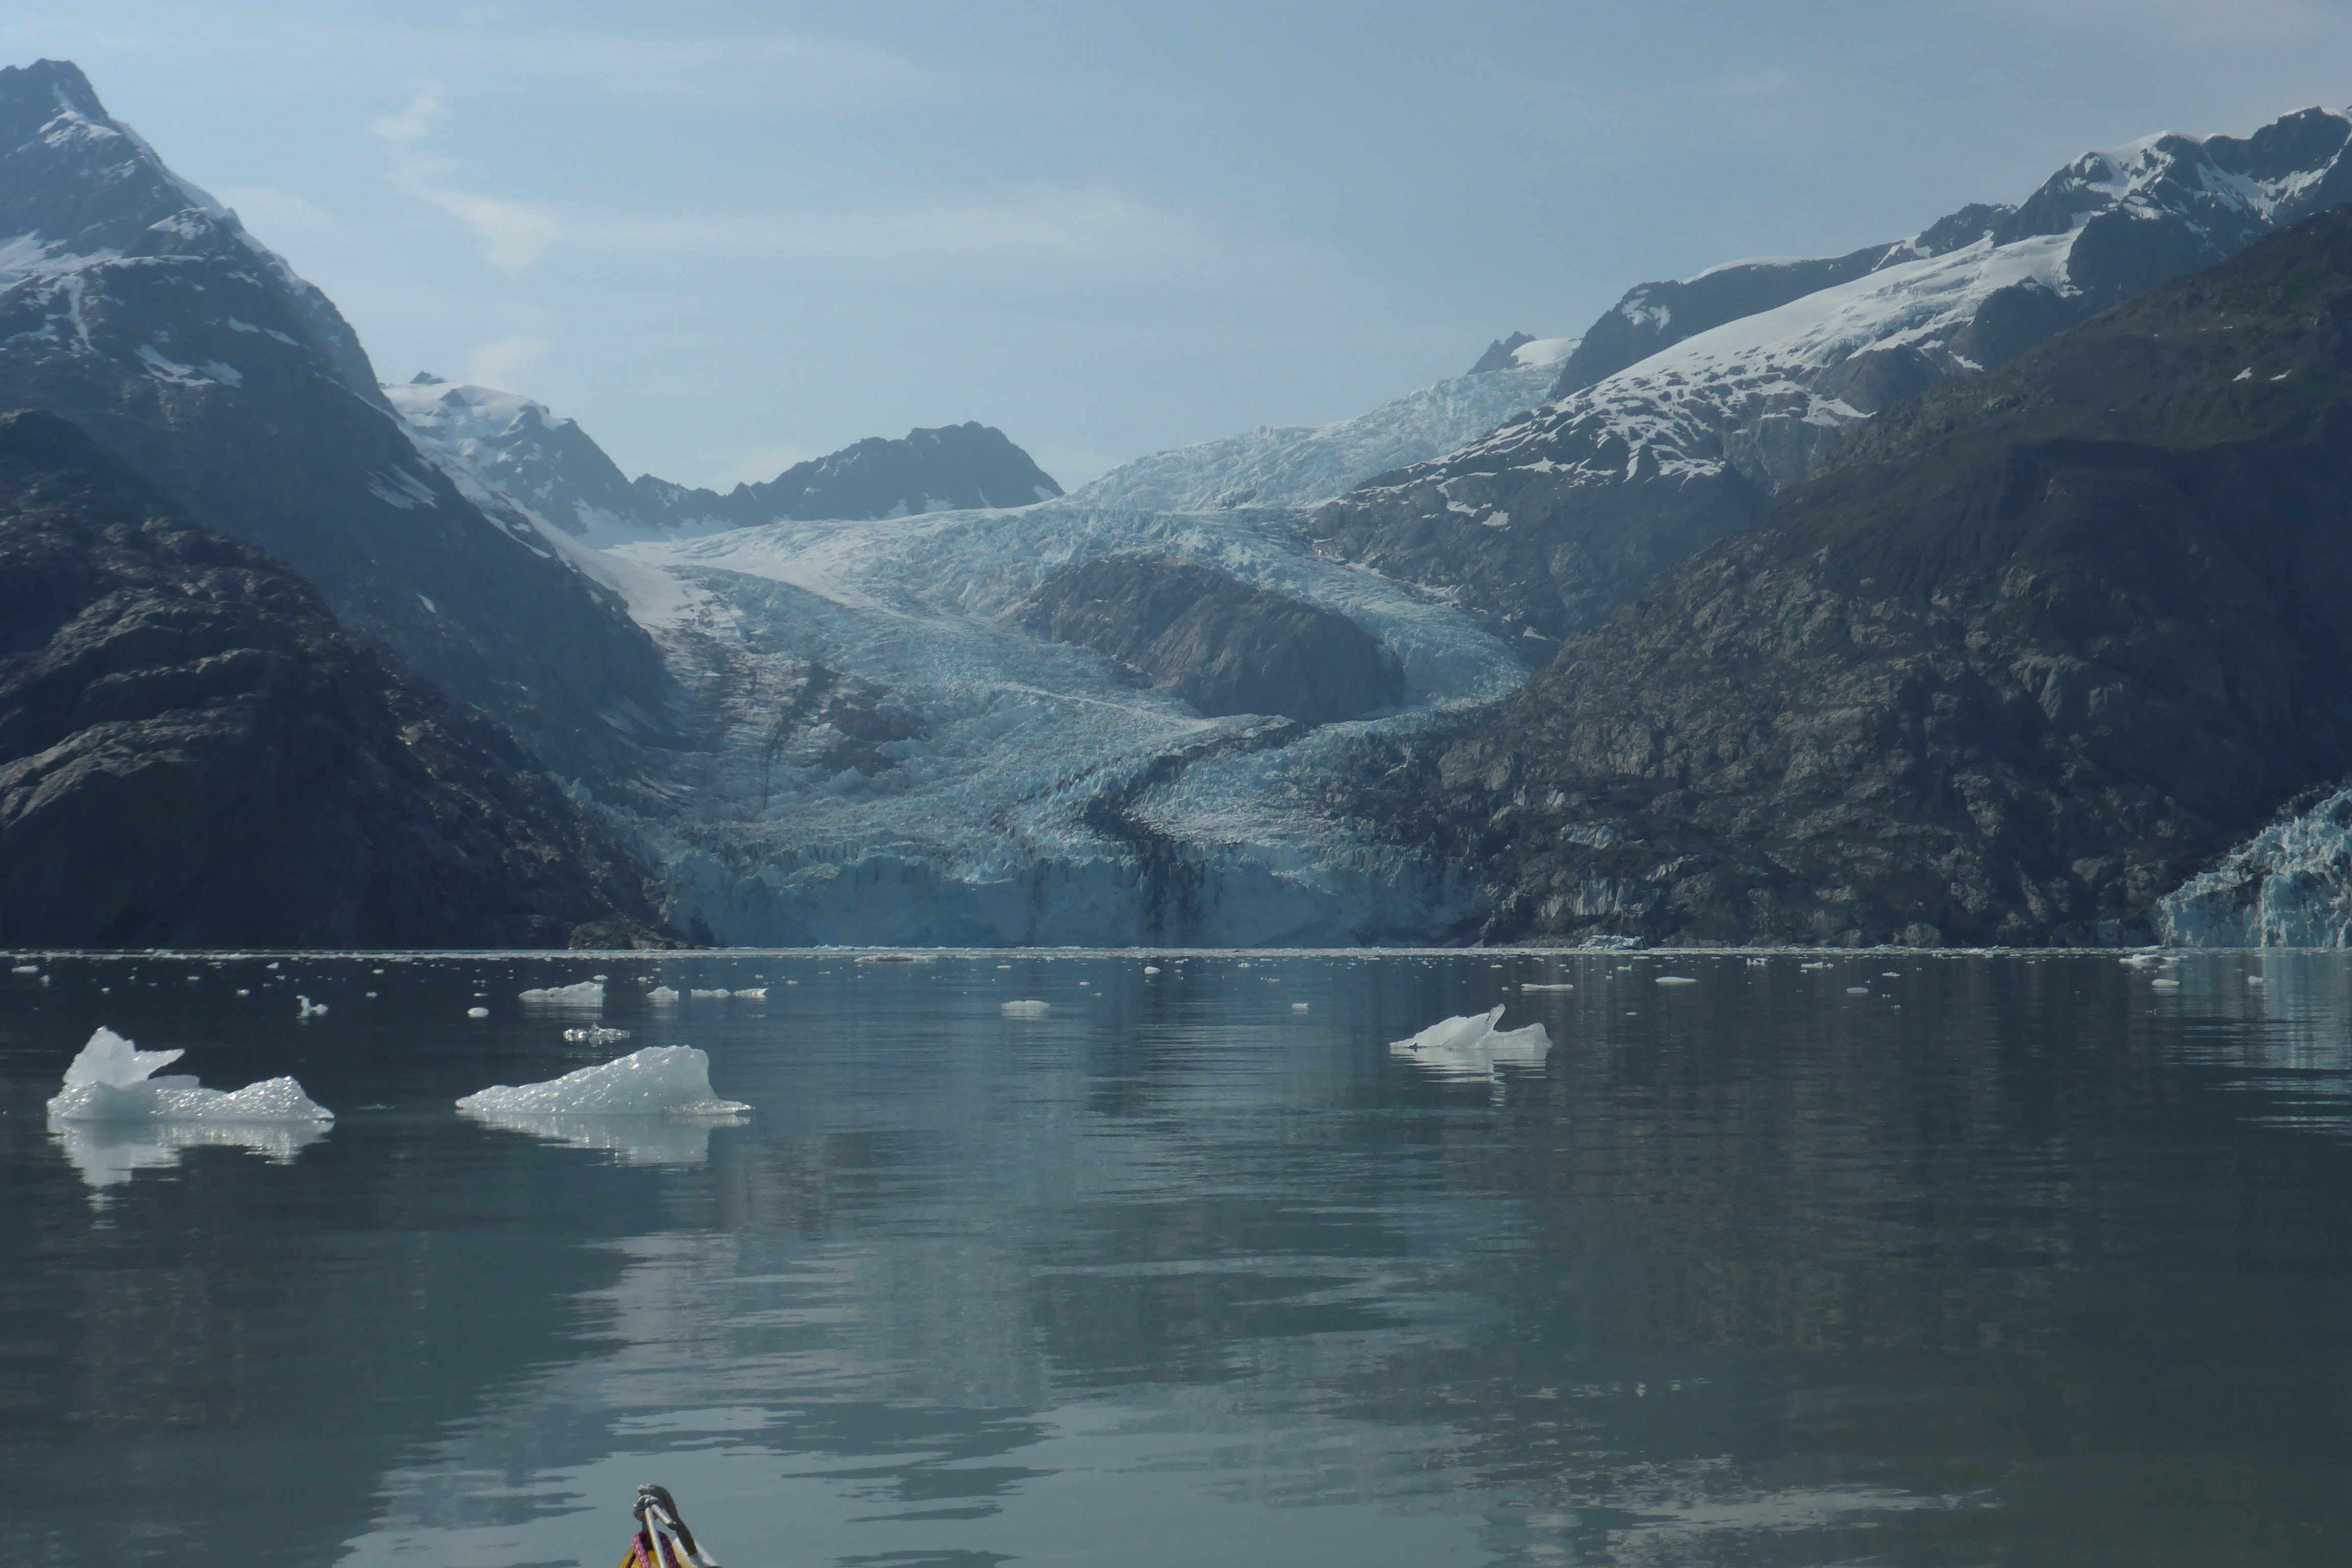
{"points": [[2012, 1258]]}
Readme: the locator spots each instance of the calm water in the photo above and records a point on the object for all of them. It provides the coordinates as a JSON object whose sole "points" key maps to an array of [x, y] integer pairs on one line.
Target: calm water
{"points": [[2013, 1260]]}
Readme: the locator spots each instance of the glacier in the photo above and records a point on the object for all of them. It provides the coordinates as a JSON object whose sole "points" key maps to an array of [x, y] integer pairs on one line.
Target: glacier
{"points": [[1299, 465], [882, 756], [2289, 886]]}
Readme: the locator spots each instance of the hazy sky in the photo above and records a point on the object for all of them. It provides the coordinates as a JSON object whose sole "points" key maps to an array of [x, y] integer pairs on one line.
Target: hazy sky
{"points": [[727, 236]]}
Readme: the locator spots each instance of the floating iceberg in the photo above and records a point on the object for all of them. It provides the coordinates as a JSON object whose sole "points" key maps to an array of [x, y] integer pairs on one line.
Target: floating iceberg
{"points": [[587, 994], [109, 1081], [660, 1080], [112, 1119], [1472, 1048]]}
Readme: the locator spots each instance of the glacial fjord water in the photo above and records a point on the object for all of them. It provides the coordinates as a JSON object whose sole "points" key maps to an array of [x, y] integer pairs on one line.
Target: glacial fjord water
{"points": [[1875, 1258]]}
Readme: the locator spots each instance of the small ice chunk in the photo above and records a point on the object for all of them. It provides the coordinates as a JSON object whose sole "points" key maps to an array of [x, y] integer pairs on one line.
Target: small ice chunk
{"points": [[1547, 985], [754, 994], [595, 1035], [661, 993], [26, 969], [477, 1012], [587, 994], [1857, 990], [109, 1082], [1298, 1006], [660, 1080], [307, 1008], [1676, 980], [2165, 985], [1027, 1009], [719, 995], [1471, 1046], [1147, 969]]}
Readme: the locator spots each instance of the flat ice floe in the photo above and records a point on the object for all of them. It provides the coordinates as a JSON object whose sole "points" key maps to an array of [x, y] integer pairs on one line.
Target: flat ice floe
{"points": [[660, 1080], [1471, 1046], [111, 1118], [587, 994]]}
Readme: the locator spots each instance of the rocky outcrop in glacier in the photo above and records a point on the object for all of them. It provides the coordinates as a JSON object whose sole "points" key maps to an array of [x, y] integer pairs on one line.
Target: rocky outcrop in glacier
{"points": [[2289, 886], [1221, 645]]}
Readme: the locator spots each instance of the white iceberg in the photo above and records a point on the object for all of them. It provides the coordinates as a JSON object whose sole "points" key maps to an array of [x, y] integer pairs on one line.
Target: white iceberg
{"points": [[587, 994], [660, 1080], [1472, 1046], [109, 1082], [112, 1118]]}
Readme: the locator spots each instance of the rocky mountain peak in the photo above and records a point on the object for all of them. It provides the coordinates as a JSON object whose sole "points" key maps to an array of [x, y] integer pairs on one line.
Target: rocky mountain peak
{"points": [[1499, 354]]}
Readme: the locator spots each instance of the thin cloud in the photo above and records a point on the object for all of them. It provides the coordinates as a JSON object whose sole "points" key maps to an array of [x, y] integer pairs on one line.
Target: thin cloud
{"points": [[512, 235], [1066, 231]]}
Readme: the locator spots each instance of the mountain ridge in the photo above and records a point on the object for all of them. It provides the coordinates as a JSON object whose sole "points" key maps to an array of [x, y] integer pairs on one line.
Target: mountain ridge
{"points": [[2044, 646]]}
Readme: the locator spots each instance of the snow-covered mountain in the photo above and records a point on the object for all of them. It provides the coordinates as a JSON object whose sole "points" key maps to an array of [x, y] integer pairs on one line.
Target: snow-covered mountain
{"points": [[136, 306], [1299, 465], [551, 466], [1553, 519], [527, 454], [947, 469]]}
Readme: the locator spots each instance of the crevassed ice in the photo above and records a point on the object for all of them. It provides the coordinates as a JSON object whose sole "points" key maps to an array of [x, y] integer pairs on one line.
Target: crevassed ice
{"points": [[109, 1082], [660, 1080]]}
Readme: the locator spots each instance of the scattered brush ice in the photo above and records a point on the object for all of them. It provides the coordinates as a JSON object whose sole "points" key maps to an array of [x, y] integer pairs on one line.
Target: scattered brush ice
{"points": [[109, 1081], [1676, 980], [1298, 1007], [477, 1012], [1472, 1046], [587, 994], [1027, 1009], [661, 993], [660, 1080], [306, 1008], [596, 1035], [752, 993], [719, 995]]}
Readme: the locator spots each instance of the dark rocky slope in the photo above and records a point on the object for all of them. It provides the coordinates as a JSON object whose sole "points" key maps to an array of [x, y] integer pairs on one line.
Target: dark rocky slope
{"points": [[2047, 642], [139, 308], [192, 753], [1221, 645], [952, 467], [1686, 408]]}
